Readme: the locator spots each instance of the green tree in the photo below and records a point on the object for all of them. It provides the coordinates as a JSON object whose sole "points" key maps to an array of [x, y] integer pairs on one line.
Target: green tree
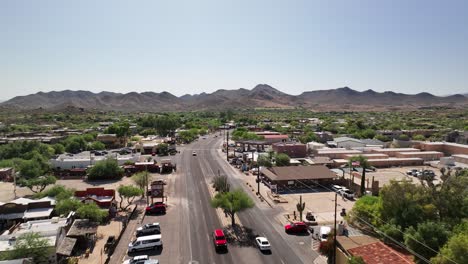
{"points": [[30, 245], [63, 207], [38, 184], [92, 212], [454, 251], [120, 129], [391, 231], [282, 160], [431, 234], [221, 184], [97, 145], [232, 202], [364, 164], [58, 148], [264, 161], [165, 125], [356, 260], [163, 149], [419, 137], [367, 209], [30, 169], [59, 192], [128, 192], [405, 204], [105, 170], [309, 137], [141, 179]]}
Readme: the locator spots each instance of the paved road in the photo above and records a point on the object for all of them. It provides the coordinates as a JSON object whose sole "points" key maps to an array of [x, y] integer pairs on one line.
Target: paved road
{"points": [[187, 226]]}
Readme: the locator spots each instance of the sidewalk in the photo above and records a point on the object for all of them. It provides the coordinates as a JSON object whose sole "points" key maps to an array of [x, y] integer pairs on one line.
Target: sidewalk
{"points": [[121, 250]]}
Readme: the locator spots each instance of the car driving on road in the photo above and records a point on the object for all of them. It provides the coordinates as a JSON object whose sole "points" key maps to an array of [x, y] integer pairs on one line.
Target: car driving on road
{"points": [[219, 239], [194, 153], [263, 243], [298, 227]]}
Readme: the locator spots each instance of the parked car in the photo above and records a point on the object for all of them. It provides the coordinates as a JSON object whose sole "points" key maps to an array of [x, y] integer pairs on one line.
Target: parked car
{"points": [[145, 242], [336, 188], [262, 243], [194, 153], [142, 259], [156, 208], [412, 172], [321, 233], [219, 239], [148, 229], [298, 227], [347, 193]]}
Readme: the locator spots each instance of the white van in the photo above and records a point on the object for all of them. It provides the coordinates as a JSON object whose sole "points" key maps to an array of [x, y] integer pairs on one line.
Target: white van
{"points": [[321, 233], [145, 242]]}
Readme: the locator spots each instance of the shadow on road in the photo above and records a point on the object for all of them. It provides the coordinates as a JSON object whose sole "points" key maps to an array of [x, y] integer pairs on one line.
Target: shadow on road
{"points": [[240, 236]]}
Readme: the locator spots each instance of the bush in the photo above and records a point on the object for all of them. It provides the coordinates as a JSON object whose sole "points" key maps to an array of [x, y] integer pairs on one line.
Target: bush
{"points": [[107, 169]]}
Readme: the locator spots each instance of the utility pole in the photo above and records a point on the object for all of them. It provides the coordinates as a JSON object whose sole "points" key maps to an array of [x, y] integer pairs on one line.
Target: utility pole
{"points": [[258, 179], [334, 234], [227, 145], [146, 180]]}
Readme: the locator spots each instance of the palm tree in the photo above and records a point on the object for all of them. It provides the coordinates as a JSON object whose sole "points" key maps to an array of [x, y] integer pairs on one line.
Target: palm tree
{"points": [[364, 164]]}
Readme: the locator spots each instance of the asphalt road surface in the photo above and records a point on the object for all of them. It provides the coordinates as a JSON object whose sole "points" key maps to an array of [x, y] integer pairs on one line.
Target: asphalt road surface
{"points": [[186, 228]]}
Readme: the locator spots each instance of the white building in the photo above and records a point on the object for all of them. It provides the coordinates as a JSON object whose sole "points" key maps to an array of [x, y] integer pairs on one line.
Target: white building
{"points": [[65, 162], [348, 143]]}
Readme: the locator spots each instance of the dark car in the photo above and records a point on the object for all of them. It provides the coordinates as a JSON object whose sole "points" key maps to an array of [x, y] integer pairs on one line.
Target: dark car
{"points": [[298, 227], [156, 208]]}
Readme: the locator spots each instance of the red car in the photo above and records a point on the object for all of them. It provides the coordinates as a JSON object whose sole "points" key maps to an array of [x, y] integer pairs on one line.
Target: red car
{"points": [[156, 208], [219, 239], [298, 227]]}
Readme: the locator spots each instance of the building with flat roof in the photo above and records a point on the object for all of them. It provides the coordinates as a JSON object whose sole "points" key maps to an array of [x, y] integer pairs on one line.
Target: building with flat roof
{"points": [[336, 153], [84, 160], [445, 147], [288, 177], [348, 142], [275, 138], [47, 229], [385, 163], [425, 155], [292, 149], [102, 197], [392, 152]]}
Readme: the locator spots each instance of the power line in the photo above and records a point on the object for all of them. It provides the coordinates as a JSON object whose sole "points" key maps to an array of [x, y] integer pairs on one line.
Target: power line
{"points": [[421, 243]]}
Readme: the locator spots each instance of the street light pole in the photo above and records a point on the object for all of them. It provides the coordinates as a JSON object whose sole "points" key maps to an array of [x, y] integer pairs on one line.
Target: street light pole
{"points": [[334, 234]]}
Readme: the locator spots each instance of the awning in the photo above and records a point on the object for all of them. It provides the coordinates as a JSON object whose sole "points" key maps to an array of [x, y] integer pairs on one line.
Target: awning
{"points": [[38, 213], [66, 246]]}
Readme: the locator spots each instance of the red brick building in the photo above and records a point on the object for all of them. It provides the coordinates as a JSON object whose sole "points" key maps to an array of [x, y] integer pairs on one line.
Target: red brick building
{"points": [[102, 197], [292, 149]]}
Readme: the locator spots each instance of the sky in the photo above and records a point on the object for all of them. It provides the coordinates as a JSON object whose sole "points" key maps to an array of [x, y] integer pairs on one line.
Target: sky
{"points": [[182, 47]]}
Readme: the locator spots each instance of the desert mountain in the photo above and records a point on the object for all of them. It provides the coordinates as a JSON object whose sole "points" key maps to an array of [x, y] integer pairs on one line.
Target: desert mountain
{"points": [[262, 95]]}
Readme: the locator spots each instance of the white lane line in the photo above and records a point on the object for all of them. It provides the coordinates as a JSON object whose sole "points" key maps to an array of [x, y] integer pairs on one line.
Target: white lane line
{"points": [[188, 214]]}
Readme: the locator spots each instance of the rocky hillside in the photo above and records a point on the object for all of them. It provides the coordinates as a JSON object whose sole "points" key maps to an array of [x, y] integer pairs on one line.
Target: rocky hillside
{"points": [[262, 95]]}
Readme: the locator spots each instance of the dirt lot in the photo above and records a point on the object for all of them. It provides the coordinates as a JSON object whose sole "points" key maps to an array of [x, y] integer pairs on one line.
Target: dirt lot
{"points": [[7, 194], [321, 204], [398, 173]]}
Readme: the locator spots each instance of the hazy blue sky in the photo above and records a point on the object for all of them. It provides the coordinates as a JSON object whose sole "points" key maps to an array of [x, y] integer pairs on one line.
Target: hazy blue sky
{"points": [[201, 46]]}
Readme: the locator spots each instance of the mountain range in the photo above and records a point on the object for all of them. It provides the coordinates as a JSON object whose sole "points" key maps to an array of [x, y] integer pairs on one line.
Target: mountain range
{"points": [[261, 96]]}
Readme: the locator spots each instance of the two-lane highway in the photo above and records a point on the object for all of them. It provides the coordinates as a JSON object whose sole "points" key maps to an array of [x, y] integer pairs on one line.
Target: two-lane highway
{"points": [[190, 220]]}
